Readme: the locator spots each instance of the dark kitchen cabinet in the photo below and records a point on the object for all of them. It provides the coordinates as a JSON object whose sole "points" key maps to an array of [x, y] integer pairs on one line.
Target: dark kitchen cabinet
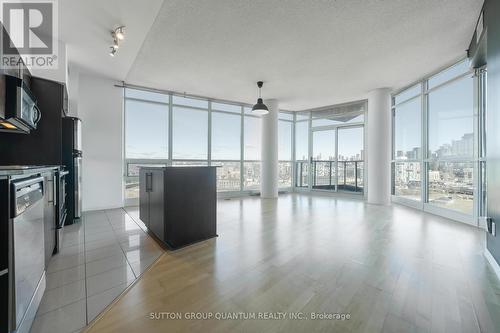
{"points": [[144, 197], [43, 146], [151, 201], [156, 204], [21, 70], [178, 204]]}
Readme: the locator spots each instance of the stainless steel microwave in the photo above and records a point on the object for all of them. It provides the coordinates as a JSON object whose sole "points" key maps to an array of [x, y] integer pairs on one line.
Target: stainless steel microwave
{"points": [[20, 112]]}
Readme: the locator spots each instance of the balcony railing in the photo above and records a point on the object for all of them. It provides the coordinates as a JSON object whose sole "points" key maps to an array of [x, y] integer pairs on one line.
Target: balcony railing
{"points": [[325, 177]]}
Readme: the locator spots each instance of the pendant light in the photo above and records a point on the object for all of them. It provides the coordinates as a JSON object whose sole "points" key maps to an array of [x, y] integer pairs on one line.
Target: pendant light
{"points": [[260, 108]]}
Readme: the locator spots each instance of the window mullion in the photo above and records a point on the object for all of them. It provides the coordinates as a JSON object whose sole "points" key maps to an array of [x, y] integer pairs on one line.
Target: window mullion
{"points": [[170, 129]]}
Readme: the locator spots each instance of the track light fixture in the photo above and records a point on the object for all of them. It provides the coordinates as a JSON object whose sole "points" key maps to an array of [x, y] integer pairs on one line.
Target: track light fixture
{"points": [[117, 35], [260, 108]]}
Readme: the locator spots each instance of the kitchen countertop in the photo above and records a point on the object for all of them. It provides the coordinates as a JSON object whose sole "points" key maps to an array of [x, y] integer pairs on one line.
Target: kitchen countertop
{"points": [[179, 166], [14, 170]]}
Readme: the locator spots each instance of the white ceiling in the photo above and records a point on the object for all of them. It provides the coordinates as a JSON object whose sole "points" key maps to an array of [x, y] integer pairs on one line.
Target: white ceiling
{"points": [[310, 53], [85, 26]]}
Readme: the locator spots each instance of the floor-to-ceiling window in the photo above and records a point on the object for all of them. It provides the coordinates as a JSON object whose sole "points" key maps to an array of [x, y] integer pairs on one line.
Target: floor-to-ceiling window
{"points": [[189, 131], [302, 149], [285, 149], [450, 162], [226, 145], [437, 155], [147, 128], [329, 148], [350, 159], [251, 150], [323, 162], [170, 129], [407, 149]]}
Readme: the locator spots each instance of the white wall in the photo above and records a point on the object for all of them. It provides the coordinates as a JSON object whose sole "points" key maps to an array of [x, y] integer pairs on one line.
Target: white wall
{"points": [[100, 107], [73, 89], [61, 73]]}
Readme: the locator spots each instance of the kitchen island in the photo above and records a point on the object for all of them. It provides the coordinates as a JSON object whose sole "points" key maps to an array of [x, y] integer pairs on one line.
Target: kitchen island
{"points": [[178, 205]]}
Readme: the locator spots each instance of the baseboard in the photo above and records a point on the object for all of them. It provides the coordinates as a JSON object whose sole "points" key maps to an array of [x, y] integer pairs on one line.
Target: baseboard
{"points": [[493, 262], [481, 223]]}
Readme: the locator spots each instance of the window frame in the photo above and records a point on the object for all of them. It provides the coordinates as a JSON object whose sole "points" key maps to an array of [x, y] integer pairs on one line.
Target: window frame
{"points": [[299, 164], [243, 114], [292, 149], [477, 160]]}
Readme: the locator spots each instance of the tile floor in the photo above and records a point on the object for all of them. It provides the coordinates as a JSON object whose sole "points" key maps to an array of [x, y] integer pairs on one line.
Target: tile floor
{"points": [[100, 257]]}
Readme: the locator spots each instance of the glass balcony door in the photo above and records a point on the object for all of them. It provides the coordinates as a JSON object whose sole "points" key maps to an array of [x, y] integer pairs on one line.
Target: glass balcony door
{"points": [[323, 160], [337, 160], [350, 159]]}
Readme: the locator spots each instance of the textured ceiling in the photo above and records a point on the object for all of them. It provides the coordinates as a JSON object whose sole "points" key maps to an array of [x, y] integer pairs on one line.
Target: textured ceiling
{"points": [[310, 53], [85, 26]]}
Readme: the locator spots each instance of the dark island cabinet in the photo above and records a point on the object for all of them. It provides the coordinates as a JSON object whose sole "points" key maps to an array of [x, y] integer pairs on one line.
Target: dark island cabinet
{"points": [[178, 204], [144, 196]]}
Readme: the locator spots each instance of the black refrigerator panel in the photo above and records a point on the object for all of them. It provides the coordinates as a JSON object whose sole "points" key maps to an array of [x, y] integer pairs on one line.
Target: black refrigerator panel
{"points": [[43, 145], [72, 160]]}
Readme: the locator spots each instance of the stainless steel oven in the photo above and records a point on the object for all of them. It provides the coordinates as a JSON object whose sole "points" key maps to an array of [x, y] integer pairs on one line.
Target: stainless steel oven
{"points": [[61, 207], [62, 196], [27, 258]]}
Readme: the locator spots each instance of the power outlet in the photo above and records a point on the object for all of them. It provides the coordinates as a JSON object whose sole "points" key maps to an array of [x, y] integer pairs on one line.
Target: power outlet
{"points": [[491, 226]]}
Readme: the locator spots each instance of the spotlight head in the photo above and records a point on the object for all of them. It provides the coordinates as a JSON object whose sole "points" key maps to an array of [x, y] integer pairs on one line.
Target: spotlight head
{"points": [[119, 33], [112, 52]]}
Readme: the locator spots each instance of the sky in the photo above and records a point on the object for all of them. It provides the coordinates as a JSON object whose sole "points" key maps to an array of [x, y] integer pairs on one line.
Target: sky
{"points": [[450, 117], [147, 135]]}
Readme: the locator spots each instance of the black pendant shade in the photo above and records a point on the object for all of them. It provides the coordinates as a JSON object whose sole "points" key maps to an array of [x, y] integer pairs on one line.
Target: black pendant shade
{"points": [[260, 108]]}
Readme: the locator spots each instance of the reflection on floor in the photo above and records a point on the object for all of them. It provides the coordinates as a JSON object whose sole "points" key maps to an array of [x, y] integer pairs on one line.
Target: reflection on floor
{"points": [[100, 257], [392, 269]]}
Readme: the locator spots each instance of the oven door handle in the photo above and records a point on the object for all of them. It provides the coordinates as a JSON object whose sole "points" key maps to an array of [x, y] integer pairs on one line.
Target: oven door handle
{"points": [[25, 183], [37, 114], [52, 192]]}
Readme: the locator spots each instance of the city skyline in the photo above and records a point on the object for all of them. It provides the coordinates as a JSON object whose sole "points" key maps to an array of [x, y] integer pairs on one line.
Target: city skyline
{"points": [[462, 147]]}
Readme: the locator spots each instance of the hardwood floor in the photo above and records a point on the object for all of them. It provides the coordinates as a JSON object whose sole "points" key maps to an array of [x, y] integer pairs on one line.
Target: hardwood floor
{"points": [[391, 269]]}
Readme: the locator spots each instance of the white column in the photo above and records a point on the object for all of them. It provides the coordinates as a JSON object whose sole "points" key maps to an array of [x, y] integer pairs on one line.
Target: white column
{"points": [[379, 134], [269, 151]]}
